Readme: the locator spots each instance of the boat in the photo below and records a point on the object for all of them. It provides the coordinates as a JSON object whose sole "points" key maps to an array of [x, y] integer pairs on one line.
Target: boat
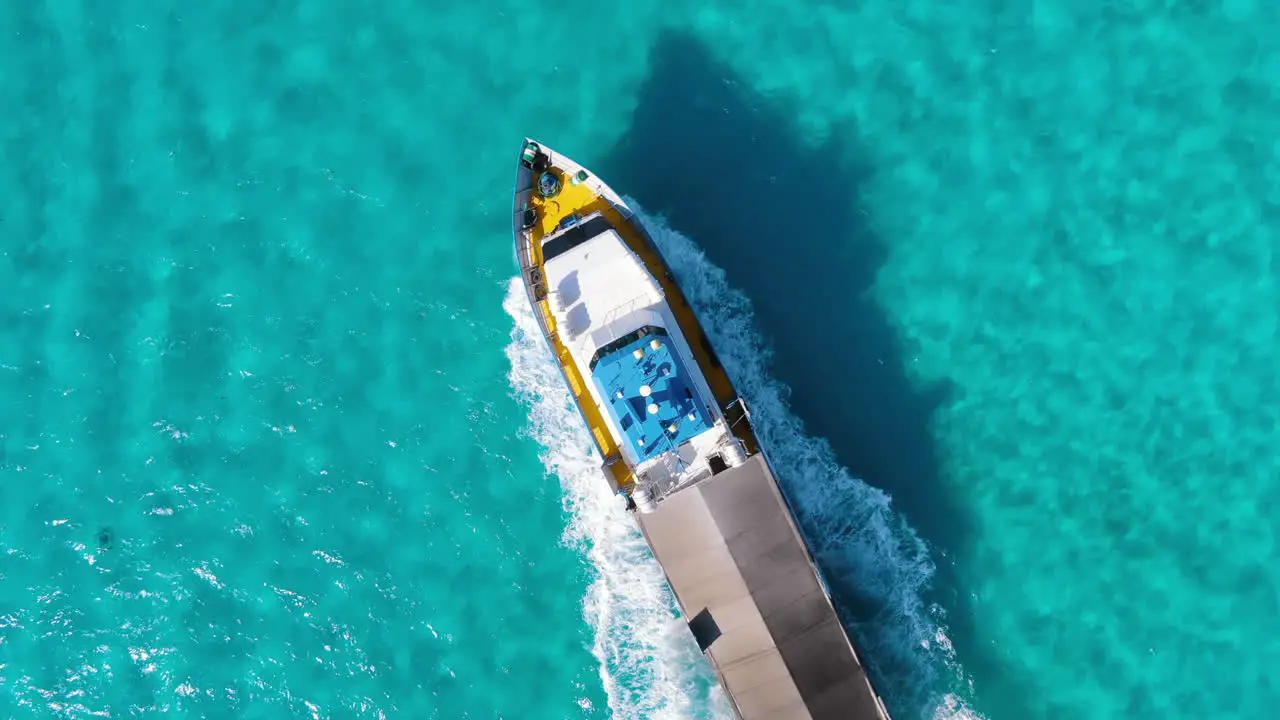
{"points": [[677, 444]]}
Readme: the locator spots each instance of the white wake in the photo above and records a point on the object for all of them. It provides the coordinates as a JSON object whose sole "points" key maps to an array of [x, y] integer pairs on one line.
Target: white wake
{"points": [[650, 666], [649, 663]]}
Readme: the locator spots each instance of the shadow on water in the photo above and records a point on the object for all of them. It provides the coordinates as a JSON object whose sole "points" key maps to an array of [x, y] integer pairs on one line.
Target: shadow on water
{"points": [[727, 167]]}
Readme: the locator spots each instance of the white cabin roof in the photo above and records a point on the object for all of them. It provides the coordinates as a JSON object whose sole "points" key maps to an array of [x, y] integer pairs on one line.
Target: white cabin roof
{"points": [[599, 291]]}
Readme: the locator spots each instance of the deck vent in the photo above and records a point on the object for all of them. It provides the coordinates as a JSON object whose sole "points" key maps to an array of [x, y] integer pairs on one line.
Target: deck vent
{"points": [[735, 454], [643, 498]]}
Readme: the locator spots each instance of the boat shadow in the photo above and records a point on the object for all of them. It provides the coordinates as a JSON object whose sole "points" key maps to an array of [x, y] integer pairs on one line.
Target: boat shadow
{"points": [[727, 167]]}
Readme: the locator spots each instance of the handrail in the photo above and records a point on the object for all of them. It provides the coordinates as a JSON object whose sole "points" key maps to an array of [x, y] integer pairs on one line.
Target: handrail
{"points": [[620, 310]]}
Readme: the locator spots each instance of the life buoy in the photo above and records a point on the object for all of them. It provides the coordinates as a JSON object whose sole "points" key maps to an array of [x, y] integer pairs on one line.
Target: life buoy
{"points": [[549, 184]]}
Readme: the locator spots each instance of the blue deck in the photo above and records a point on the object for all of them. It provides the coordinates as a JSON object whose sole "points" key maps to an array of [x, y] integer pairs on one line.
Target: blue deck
{"points": [[671, 391]]}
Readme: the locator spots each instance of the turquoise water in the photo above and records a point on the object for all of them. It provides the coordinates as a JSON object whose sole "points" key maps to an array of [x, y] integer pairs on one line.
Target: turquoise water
{"points": [[276, 440]]}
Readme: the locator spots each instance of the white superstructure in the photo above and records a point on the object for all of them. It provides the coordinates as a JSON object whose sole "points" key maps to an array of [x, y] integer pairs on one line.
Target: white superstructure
{"points": [[601, 294]]}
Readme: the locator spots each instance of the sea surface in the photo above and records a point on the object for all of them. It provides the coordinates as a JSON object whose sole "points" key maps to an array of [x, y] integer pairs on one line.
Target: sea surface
{"points": [[1000, 281]]}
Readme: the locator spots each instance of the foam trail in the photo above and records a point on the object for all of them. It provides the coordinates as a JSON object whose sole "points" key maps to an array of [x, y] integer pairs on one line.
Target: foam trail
{"points": [[649, 664]]}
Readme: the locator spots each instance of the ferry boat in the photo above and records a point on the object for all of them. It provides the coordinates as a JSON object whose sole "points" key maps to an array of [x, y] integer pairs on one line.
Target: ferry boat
{"points": [[676, 441]]}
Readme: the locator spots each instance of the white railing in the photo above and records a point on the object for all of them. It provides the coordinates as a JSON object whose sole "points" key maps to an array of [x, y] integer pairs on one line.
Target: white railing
{"points": [[622, 309]]}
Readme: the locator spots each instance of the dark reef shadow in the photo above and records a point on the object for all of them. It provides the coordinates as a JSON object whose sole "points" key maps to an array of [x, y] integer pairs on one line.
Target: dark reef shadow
{"points": [[727, 167]]}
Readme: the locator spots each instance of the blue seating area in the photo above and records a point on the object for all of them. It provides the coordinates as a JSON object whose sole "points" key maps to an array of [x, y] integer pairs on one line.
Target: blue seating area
{"points": [[650, 394]]}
